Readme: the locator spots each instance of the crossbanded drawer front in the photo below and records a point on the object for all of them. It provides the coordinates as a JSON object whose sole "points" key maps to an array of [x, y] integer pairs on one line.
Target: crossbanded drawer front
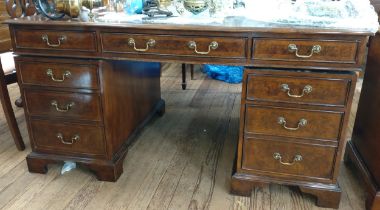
{"points": [[70, 138], [52, 104], [298, 89], [58, 74], [293, 123], [300, 50], [50, 40], [277, 157], [175, 45]]}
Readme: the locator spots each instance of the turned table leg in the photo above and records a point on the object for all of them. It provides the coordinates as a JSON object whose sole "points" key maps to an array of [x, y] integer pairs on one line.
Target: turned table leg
{"points": [[184, 77], [192, 71], [161, 108], [19, 102]]}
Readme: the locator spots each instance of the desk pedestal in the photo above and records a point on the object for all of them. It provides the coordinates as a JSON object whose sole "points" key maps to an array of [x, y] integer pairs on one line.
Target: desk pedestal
{"points": [[292, 126], [87, 111]]}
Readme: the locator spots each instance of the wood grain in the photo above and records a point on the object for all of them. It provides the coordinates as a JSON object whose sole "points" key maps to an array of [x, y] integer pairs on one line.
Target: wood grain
{"points": [[83, 74], [74, 41], [154, 176], [174, 45], [326, 89]]}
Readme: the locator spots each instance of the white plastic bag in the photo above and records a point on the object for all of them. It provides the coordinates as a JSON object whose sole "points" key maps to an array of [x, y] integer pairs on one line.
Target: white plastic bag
{"points": [[68, 166]]}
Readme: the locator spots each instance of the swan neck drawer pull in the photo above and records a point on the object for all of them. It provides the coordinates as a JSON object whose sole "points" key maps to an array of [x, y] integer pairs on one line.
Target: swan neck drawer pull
{"points": [[301, 123], [306, 90], [149, 44], [297, 158], [212, 46], [315, 49], [74, 139], [54, 103], [61, 39], [65, 75]]}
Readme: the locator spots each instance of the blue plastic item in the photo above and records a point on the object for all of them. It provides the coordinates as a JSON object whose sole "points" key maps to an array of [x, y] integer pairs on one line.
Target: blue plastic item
{"points": [[230, 74], [133, 7]]}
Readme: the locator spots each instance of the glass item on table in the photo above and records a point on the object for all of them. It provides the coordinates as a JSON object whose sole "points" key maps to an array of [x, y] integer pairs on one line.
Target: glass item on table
{"points": [[195, 6], [239, 4], [92, 5], [164, 4], [216, 7], [178, 4], [220, 8], [116, 5]]}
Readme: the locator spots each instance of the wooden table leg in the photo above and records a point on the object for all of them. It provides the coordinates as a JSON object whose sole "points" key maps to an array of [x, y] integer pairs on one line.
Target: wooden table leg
{"points": [[192, 71], [9, 114], [183, 76]]}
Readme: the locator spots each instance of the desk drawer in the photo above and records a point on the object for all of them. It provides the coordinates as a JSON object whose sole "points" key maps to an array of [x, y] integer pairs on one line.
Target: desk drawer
{"points": [[321, 51], [68, 138], [294, 123], [77, 106], [297, 159], [65, 41], [58, 73], [175, 45], [301, 88]]}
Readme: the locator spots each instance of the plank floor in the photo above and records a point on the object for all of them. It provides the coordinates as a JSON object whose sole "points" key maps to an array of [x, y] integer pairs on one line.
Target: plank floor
{"points": [[182, 160]]}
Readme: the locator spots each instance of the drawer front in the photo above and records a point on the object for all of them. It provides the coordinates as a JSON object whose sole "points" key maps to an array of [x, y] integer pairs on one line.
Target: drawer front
{"points": [[323, 51], [78, 106], [68, 138], [288, 158], [310, 124], [298, 89], [55, 40], [175, 45], [57, 74]]}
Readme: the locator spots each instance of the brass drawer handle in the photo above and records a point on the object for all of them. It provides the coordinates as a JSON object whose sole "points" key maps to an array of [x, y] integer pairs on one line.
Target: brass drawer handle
{"points": [[297, 158], [65, 75], [150, 43], [315, 49], [61, 39], [66, 109], [306, 90], [301, 123], [212, 46], [74, 139]]}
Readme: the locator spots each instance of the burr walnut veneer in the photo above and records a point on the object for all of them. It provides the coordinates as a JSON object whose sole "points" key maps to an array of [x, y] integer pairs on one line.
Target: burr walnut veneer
{"points": [[89, 87]]}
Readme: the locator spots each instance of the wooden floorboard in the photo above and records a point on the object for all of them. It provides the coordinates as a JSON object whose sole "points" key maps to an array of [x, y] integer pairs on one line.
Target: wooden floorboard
{"points": [[182, 160]]}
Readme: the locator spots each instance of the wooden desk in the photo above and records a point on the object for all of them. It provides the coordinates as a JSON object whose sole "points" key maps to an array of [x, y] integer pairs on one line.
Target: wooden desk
{"points": [[87, 92]]}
